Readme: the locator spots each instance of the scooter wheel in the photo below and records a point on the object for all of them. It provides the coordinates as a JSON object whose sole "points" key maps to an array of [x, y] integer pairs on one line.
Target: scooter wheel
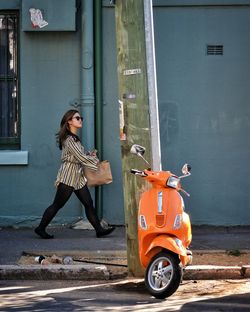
{"points": [[163, 275]]}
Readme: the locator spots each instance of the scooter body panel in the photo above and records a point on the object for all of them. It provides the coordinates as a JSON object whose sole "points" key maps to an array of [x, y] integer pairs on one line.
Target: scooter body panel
{"points": [[159, 243], [163, 224]]}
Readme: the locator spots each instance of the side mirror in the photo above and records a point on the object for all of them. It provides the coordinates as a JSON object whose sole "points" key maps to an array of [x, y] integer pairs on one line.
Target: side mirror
{"points": [[137, 150], [186, 169]]}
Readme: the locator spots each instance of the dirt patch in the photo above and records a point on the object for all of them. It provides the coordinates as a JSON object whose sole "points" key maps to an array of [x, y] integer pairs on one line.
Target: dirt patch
{"points": [[117, 267], [228, 258], [54, 259]]}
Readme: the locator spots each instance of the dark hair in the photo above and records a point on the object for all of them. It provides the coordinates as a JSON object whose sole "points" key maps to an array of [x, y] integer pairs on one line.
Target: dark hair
{"points": [[64, 128]]}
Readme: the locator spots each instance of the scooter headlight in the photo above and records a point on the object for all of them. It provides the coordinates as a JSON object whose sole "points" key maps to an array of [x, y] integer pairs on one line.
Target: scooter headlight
{"points": [[173, 182]]}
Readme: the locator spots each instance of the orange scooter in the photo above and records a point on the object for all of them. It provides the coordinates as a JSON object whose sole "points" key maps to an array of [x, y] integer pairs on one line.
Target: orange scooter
{"points": [[164, 229]]}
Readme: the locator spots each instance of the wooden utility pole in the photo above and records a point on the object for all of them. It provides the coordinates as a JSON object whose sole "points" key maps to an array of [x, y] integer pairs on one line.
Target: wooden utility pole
{"points": [[134, 113]]}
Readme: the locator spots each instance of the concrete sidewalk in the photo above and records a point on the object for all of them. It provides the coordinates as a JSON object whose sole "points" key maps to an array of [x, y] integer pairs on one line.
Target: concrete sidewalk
{"points": [[105, 256]]}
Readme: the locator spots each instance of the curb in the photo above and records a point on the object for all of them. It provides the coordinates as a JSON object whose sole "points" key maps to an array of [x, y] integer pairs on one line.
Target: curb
{"points": [[206, 272], [89, 272], [54, 272]]}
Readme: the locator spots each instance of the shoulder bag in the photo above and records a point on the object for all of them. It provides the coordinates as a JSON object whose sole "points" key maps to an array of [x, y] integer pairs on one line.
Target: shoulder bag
{"points": [[102, 175]]}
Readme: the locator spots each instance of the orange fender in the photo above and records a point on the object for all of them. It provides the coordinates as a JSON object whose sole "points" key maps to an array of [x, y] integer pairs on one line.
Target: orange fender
{"points": [[164, 242]]}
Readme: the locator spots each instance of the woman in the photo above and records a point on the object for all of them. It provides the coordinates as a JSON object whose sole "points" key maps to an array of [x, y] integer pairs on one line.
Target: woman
{"points": [[70, 176]]}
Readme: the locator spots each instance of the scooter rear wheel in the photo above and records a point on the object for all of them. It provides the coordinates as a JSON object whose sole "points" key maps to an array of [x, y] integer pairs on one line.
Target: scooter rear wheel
{"points": [[163, 275]]}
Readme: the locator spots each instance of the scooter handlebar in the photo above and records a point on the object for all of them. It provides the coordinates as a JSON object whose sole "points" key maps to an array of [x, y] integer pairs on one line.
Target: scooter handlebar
{"points": [[138, 172]]}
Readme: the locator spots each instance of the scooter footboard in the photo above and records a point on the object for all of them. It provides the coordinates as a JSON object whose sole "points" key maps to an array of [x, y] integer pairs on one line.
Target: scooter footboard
{"points": [[164, 242]]}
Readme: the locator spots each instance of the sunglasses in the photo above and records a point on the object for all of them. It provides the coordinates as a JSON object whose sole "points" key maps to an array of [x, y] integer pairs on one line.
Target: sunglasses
{"points": [[78, 118]]}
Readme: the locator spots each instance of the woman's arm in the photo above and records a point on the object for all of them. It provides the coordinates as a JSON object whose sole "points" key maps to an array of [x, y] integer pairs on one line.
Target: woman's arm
{"points": [[76, 150]]}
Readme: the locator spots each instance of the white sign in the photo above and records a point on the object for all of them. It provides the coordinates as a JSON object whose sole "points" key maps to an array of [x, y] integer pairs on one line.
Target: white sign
{"points": [[134, 71], [36, 17]]}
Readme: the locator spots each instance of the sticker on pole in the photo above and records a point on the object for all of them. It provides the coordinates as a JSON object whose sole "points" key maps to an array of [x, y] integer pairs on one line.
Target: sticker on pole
{"points": [[122, 122], [36, 18], [134, 71]]}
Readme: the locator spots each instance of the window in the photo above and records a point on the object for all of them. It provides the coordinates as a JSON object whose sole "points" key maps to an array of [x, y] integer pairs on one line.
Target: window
{"points": [[9, 99]]}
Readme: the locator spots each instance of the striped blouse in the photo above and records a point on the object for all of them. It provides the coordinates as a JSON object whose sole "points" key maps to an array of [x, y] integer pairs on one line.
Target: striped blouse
{"points": [[73, 159]]}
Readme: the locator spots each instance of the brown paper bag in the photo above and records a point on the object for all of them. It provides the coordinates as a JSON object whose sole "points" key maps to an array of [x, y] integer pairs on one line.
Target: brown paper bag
{"points": [[102, 176]]}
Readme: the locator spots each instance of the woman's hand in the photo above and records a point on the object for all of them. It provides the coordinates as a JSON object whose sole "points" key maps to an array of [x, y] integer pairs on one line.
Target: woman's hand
{"points": [[93, 153]]}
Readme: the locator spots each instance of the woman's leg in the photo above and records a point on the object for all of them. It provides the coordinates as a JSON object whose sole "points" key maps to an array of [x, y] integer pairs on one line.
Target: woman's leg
{"points": [[62, 196], [85, 197]]}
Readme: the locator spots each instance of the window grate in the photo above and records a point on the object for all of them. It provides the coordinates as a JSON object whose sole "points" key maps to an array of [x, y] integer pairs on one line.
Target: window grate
{"points": [[215, 50], [9, 112]]}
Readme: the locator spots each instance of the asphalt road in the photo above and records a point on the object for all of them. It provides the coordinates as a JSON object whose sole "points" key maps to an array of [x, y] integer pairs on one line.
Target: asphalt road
{"points": [[126, 295]]}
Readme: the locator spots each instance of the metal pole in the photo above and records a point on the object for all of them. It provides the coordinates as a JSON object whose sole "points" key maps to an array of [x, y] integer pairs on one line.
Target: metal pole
{"points": [[98, 94], [152, 85]]}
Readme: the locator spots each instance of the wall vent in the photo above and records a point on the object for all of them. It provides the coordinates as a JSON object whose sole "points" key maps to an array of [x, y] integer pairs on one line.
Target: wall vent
{"points": [[214, 49]]}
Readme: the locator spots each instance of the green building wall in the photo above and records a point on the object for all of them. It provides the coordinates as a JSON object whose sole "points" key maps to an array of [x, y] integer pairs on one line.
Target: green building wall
{"points": [[50, 84], [203, 107]]}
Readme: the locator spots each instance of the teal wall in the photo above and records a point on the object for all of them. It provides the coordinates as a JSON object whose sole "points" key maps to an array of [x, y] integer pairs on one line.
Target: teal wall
{"points": [[204, 103], [113, 194], [203, 106], [50, 82]]}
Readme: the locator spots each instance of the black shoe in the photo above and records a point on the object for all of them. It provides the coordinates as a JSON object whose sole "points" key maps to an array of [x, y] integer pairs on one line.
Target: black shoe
{"points": [[43, 234], [104, 232]]}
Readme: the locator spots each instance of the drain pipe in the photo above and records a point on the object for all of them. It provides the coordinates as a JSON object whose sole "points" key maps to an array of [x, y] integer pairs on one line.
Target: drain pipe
{"points": [[98, 94], [87, 79], [87, 75]]}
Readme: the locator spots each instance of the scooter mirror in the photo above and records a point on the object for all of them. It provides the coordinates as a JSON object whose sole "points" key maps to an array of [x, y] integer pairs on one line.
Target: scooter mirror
{"points": [[137, 149], [186, 169]]}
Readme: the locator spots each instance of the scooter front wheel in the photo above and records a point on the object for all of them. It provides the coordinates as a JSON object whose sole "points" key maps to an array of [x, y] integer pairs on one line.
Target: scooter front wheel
{"points": [[163, 275]]}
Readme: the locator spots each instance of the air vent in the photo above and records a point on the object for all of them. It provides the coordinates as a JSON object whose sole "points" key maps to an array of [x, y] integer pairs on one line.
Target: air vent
{"points": [[214, 49]]}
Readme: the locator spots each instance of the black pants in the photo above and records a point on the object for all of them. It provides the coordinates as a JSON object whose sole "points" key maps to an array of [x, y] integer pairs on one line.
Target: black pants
{"points": [[62, 196]]}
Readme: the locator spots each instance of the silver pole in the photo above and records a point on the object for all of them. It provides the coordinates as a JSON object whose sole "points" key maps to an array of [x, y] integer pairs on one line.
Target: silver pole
{"points": [[152, 85]]}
